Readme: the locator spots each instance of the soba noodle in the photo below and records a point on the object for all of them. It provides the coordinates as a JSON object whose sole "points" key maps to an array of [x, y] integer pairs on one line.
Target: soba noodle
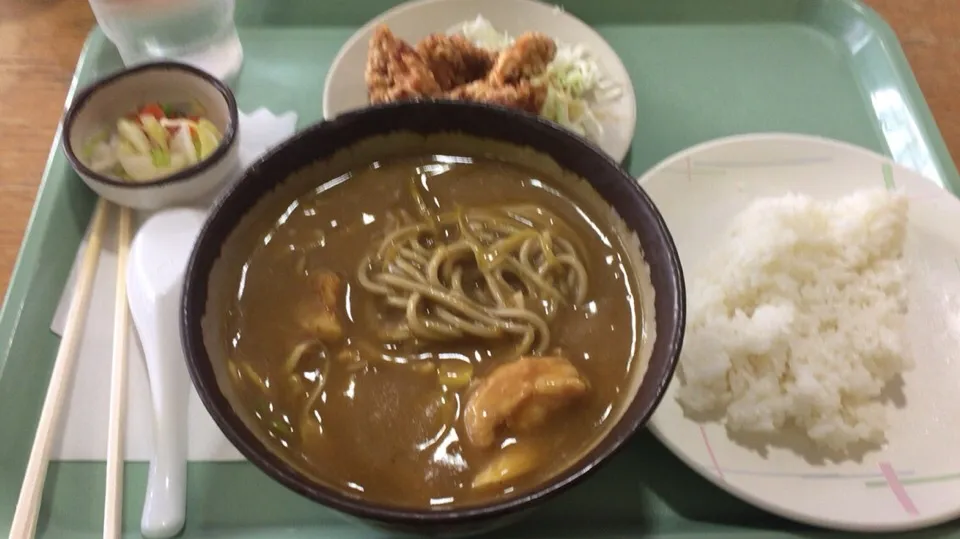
{"points": [[487, 273]]}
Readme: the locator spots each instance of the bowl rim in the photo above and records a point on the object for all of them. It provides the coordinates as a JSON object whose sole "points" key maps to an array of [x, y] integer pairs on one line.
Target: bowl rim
{"points": [[84, 96], [227, 419]]}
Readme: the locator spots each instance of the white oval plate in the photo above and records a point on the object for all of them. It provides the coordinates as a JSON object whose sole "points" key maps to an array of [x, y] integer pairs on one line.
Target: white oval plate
{"points": [[913, 481], [345, 89]]}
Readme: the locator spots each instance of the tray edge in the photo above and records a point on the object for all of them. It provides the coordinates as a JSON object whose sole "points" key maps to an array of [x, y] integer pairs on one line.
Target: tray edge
{"points": [[917, 101], [37, 223]]}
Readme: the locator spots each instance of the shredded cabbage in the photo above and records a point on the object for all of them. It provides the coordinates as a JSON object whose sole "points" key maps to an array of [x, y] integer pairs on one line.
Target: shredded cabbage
{"points": [[577, 88], [481, 32]]}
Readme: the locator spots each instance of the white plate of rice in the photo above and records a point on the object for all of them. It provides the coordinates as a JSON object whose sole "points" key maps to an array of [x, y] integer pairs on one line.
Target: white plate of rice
{"points": [[820, 374], [600, 103]]}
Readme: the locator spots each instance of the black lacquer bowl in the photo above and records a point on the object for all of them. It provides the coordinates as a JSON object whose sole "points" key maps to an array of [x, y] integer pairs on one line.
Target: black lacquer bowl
{"points": [[313, 156]]}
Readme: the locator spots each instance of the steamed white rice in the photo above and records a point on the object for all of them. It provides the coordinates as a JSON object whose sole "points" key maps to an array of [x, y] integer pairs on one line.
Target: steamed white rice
{"points": [[796, 318]]}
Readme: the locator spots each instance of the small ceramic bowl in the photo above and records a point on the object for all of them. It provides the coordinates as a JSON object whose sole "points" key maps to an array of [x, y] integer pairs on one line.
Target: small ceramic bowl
{"points": [[103, 102], [309, 160]]}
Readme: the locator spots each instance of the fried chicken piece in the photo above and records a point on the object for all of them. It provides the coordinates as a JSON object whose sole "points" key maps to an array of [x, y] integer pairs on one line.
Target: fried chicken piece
{"points": [[524, 95], [454, 60], [319, 315], [521, 395], [526, 58], [395, 71]]}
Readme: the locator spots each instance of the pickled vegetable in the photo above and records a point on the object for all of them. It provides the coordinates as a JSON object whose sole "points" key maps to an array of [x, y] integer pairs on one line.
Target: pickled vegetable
{"points": [[155, 141]]}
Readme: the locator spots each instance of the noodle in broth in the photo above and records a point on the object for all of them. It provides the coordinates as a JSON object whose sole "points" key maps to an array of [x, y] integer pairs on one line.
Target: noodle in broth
{"points": [[482, 273], [434, 331]]}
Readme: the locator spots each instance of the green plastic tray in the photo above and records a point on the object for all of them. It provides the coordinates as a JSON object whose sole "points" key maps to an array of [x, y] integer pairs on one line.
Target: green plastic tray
{"points": [[701, 69]]}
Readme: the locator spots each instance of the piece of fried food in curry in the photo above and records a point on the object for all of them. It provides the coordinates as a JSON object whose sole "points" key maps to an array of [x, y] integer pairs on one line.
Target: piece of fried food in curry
{"points": [[520, 395], [319, 314]]}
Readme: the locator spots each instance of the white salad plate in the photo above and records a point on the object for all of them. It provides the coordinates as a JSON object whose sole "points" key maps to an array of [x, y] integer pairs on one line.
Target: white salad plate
{"points": [[345, 88], [913, 480]]}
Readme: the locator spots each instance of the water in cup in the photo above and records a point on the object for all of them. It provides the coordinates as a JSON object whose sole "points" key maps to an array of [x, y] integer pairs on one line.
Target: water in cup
{"points": [[198, 32]]}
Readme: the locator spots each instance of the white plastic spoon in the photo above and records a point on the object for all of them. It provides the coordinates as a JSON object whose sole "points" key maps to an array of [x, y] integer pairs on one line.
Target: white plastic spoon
{"points": [[158, 260]]}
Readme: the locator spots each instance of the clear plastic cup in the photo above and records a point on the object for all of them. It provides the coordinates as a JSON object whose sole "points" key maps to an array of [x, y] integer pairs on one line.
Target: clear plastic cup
{"points": [[197, 32]]}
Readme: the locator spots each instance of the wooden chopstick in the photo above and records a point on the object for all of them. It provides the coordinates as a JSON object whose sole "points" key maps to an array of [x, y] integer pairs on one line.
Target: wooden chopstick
{"points": [[113, 501], [24, 523]]}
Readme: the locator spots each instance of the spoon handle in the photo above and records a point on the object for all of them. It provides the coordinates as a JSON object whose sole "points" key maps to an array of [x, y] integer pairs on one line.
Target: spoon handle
{"points": [[164, 510], [24, 523]]}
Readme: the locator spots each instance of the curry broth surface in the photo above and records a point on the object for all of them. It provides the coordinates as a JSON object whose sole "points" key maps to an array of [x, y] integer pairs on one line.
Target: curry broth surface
{"points": [[379, 433]]}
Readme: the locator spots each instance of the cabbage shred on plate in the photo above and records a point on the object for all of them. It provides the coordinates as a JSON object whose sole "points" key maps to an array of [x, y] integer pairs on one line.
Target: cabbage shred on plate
{"points": [[577, 88], [155, 141]]}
